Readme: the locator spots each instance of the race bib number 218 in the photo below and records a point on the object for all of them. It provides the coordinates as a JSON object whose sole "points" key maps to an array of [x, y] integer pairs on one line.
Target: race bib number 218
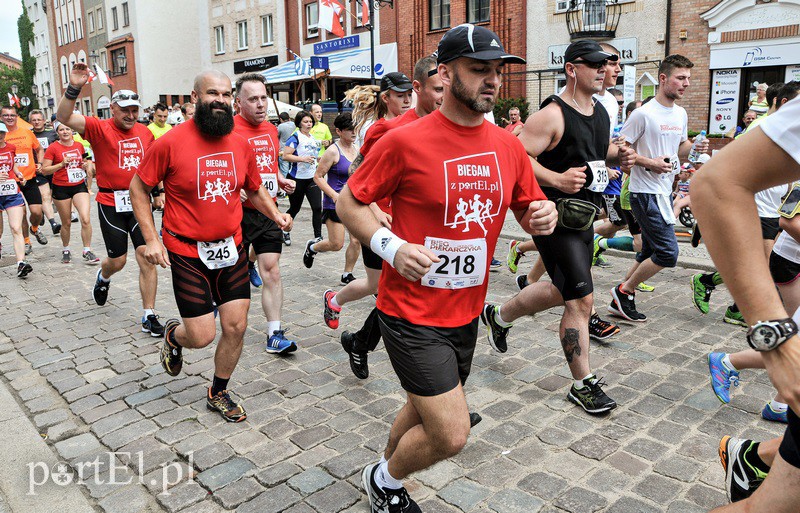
{"points": [[462, 263]]}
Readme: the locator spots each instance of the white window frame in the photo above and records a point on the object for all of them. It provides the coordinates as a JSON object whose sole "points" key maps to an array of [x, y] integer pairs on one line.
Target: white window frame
{"points": [[114, 19], [239, 45], [219, 39], [100, 19], [312, 29], [357, 13], [267, 38], [60, 37], [80, 29], [562, 5], [90, 21], [126, 17]]}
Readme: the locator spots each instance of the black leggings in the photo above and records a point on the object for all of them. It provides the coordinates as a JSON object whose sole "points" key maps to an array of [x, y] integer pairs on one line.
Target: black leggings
{"points": [[306, 187]]}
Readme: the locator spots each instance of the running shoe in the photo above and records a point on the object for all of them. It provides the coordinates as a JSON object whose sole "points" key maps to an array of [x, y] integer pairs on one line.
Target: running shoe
{"points": [[100, 289], [330, 312], [358, 360], [222, 403], [602, 262], [255, 279], [279, 344], [741, 478], [474, 419], [495, 264], [66, 256], [40, 238], [701, 294], [721, 377], [287, 238], [309, 254], [644, 287], [28, 248], [735, 318], [522, 282], [496, 334], [695, 241], [56, 227], [597, 251], [347, 278], [23, 269], [591, 397], [512, 259], [151, 325], [600, 329], [171, 357], [775, 416], [385, 500], [624, 305], [90, 258], [74, 217]]}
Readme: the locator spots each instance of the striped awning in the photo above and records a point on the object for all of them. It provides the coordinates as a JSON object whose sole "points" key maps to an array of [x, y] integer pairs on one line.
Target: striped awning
{"points": [[345, 64]]}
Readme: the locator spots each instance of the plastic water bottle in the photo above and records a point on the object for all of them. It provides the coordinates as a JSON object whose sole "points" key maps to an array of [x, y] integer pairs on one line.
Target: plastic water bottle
{"points": [[694, 155], [615, 134]]}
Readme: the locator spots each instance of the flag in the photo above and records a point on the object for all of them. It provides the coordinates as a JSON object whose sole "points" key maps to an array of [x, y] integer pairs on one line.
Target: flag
{"points": [[364, 12], [301, 66], [329, 11], [13, 99], [101, 76]]}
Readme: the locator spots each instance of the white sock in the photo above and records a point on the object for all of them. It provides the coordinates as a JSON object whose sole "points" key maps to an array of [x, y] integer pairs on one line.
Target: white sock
{"points": [[579, 382], [499, 319], [383, 459], [103, 278], [778, 406], [272, 327], [334, 303], [86, 248], [65, 248], [727, 363], [20, 262], [148, 311], [384, 480]]}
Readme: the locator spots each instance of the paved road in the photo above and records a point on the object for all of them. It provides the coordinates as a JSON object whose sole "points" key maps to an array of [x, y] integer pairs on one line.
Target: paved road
{"points": [[89, 380]]}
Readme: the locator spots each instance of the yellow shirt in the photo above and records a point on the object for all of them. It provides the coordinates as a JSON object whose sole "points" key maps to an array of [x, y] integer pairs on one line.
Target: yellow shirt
{"points": [[157, 130], [321, 132]]}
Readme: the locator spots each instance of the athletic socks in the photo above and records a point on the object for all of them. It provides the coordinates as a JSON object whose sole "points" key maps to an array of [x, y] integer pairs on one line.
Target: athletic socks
{"points": [[218, 385], [272, 327], [578, 383], [101, 278], [499, 320], [623, 243], [778, 407], [726, 361], [384, 480], [28, 239], [147, 311], [711, 279], [751, 456], [734, 308], [334, 303]]}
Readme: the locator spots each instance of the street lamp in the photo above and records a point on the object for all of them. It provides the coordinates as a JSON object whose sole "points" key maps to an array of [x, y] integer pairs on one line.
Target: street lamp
{"points": [[122, 62]]}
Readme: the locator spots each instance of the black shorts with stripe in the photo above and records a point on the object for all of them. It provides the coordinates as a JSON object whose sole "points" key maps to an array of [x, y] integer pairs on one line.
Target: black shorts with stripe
{"points": [[116, 228]]}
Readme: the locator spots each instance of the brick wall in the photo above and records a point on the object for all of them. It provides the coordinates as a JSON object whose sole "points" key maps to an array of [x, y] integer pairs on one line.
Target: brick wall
{"points": [[126, 80]]}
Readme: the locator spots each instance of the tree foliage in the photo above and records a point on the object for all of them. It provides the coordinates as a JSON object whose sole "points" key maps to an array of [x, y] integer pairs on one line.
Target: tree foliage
{"points": [[8, 76], [502, 106], [26, 39]]}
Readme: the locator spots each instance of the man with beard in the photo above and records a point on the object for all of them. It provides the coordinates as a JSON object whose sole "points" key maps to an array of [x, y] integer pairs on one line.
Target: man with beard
{"points": [[36, 119], [449, 202], [570, 140], [119, 144], [203, 167], [258, 230]]}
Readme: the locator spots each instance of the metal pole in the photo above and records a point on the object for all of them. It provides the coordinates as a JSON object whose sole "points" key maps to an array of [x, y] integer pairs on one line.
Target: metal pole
{"points": [[372, 41]]}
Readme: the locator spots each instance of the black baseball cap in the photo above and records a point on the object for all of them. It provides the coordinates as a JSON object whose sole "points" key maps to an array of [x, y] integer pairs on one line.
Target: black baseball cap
{"points": [[395, 81], [475, 42], [587, 50]]}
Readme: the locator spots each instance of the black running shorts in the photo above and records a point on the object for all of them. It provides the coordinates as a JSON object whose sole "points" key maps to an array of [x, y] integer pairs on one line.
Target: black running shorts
{"points": [[33, 196], [429, 361], [788, 450], [783, 270], [261, 232], [329, 214], [614, 209], [43, 179], [197, 287], [770, 228], [567, 256], [116, 227], [630, 220], [371, 259], [65, 192]]}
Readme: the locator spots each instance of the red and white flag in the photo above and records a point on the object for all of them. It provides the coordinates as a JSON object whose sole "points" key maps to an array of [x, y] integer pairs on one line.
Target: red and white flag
{"points": [[365, 12], [101, 76], [329, 11], [13, 99]]}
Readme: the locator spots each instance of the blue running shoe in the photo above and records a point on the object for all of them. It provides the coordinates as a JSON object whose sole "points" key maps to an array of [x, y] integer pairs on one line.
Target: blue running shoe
{"points": [[775, 416], [721, 377], [255, 279], [279, 344]]}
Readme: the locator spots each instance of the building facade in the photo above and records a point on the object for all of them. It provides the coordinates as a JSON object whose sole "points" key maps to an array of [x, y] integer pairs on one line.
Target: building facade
{"points": [[40, 50], [9, 61], [69, 34], [97, 37]]}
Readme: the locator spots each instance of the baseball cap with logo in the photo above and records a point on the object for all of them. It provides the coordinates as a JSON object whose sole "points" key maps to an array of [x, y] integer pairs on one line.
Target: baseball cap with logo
{"points": [[125, 98], [475, 42], [395, 81], [587, 50]]}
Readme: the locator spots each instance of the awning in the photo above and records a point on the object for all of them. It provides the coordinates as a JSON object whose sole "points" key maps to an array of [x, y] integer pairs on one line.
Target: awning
{"points": [[282, 107], [346, 64]]}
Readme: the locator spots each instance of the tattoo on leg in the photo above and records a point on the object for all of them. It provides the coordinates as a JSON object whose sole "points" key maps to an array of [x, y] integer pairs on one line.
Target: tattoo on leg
{"points": [[570, 344]]}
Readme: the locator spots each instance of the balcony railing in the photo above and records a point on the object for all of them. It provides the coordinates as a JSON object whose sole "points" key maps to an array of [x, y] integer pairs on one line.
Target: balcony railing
{"points": [[593, 18]]}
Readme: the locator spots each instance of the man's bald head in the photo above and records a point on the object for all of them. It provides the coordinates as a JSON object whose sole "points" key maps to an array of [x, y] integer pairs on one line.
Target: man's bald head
{"points": [[213, 75]]}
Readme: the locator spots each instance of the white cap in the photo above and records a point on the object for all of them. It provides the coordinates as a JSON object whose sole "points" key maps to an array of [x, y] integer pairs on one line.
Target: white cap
{"points": [[125, 98], [703, 158], [3, 127]]}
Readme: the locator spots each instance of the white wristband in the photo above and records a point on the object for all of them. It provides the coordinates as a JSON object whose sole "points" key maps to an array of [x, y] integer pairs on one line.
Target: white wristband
{"points": [[385, 244]]}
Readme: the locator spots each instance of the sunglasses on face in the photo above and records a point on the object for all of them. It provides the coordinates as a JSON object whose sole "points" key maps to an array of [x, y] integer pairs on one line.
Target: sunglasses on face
{"points": [[620, 102], [592, 65]]}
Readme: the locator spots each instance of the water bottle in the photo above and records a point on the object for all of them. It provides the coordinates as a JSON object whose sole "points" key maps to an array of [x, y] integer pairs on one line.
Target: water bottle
{"points": [[694, 155], [615, 134]]}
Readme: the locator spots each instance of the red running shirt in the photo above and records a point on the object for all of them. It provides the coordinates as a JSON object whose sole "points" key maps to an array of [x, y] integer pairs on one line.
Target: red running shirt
{"points": [[7, 154], [457, 190], [57, 153], [263, 139], [117, 154], [202, 178]]}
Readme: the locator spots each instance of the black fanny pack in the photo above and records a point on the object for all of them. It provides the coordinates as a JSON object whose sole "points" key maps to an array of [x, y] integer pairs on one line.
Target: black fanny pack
{"points": [[576, 214]]}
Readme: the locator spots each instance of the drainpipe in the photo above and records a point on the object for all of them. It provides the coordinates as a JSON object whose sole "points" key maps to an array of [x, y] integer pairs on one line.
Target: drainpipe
{"points": [[667, 33]]}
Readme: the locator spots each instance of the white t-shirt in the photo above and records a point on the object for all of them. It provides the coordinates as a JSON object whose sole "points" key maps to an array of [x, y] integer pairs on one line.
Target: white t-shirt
{"points": [[787, 247], [609, 102], [783, 127], [769, 201], [363, 133], [655, 130]]}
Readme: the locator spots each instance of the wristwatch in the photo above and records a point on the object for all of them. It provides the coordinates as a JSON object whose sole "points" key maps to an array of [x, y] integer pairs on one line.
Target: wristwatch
{"points": [[767, 335]]}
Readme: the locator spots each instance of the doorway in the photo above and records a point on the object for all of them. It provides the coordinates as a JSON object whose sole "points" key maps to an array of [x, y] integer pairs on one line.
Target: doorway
{"points": [[751, 77]]}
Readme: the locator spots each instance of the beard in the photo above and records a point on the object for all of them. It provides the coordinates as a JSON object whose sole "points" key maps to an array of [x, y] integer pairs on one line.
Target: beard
{"points": [[215, 124], [474, 103]]}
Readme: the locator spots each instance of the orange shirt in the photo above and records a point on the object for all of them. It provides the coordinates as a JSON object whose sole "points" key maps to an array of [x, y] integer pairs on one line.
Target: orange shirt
{"points": [[26, 143]]}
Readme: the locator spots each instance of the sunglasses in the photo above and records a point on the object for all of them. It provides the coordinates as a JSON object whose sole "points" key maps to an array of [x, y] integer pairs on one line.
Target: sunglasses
{"points": [[119, 97], [620, 102], [592, 65]]}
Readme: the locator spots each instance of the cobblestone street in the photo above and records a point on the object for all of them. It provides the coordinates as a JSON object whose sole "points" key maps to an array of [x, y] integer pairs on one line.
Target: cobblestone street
{"points": [[89, 380]]}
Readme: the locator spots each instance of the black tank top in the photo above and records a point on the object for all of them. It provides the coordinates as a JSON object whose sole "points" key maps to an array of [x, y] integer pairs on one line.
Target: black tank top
{"points": [[585, 139]]}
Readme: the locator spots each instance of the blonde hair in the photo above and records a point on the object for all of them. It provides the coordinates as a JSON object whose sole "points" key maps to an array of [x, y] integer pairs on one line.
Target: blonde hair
{"points": [[366, 105]]}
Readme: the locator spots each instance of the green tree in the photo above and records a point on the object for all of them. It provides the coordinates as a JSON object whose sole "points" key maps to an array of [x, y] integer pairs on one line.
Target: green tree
{"points": [[8, 76], [26, 37], [502, 106]]}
